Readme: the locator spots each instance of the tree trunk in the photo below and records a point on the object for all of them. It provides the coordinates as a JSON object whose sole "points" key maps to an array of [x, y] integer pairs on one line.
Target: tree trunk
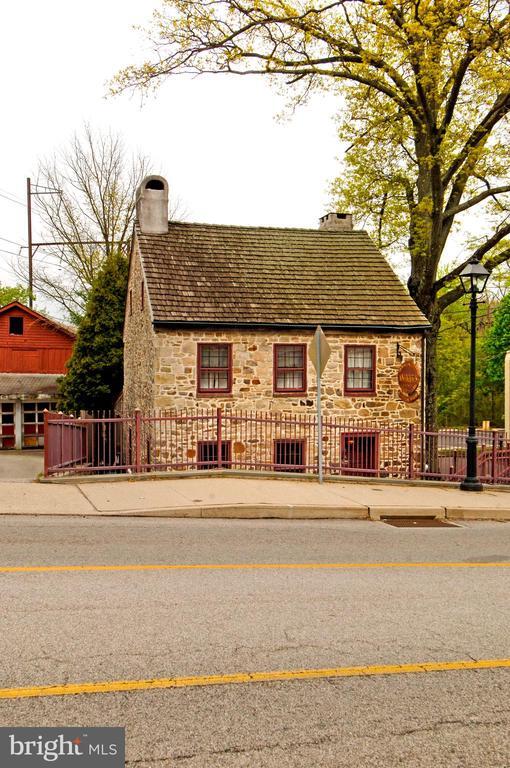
{"points": [[425, 250], [431, 377]]}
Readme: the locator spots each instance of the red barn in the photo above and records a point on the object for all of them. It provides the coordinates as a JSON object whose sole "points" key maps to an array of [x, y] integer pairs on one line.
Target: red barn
{"points": [[34, 351]]}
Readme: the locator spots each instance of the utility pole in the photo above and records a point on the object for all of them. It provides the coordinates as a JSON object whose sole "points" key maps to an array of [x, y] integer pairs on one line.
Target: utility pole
{"points": [[29, 239], [40, 189], [32, 247]]}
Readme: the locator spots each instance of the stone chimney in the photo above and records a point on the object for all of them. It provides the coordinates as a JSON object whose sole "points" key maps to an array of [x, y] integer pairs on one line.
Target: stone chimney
{"points": [[338, 222], [152, 205]]}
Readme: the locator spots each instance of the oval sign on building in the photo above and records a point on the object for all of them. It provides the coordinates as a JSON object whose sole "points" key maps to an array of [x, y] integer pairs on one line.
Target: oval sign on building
{"points": [[409, 381]]}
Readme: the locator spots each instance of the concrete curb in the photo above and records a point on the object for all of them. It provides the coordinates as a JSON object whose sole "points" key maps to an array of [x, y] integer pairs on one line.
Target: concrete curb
{"points": [[294, 512], [255, 511], [455, 513], [376, 512], [284, 512]]}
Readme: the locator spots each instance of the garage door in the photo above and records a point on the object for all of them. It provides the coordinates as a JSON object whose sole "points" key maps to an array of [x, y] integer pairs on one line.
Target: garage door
{"points": [[7, 425], [33, 423]]}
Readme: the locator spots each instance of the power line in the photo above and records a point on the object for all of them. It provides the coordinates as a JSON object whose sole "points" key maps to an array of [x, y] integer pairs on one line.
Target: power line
{"points": [[13, 242], [12, 253], [12, 200], [11, 194]]}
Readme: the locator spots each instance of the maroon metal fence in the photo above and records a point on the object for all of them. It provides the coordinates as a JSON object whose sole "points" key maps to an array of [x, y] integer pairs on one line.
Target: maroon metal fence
{"points": [[65, 443], [282, 442]]}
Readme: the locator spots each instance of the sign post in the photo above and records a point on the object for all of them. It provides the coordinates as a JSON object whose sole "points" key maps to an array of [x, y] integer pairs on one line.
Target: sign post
{"points": [[319, 353]]}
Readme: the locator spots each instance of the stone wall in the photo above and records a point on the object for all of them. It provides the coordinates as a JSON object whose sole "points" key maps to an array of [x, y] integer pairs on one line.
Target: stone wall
{"points": [[139, 349], [252, 389]]}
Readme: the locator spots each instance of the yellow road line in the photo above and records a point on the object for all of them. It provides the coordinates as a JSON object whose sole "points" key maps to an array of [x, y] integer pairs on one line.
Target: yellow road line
{"points": [[117, 686], [239, 566]]}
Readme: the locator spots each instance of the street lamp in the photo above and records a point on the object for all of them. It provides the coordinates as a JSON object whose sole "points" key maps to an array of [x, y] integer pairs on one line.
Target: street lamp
{"points": [[473, 277]]}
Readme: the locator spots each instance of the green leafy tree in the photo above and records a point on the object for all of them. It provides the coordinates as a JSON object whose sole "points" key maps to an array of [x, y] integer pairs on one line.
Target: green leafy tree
{"points": [[453, 361], [95, 374], [424, 90], [497, 344], [13, 293]]}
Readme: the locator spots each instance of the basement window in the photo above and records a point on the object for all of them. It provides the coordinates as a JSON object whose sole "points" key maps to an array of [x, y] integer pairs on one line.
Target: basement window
{"points": [[16, 326], [208, 454], [289, 455], [360, 453]]}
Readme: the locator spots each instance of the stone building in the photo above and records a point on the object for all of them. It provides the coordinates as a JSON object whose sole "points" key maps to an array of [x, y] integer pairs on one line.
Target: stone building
{"points": [[223, 316]]}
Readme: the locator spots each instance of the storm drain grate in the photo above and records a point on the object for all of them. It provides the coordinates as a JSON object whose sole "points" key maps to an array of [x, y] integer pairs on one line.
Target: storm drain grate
{"points": [[418, 522]]}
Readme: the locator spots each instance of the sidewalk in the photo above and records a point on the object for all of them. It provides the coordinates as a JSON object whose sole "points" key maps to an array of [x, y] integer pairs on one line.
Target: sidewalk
{"points": [[236, 497]]}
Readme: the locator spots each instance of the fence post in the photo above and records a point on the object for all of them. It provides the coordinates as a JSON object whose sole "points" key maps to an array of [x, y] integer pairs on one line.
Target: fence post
{"points": [[494, 457], [218, 437], [411, 452], [46, 443], [138, 440]]}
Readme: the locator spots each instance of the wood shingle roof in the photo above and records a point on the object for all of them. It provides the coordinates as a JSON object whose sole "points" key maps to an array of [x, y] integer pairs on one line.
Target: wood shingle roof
{"points": [[231, 275]]}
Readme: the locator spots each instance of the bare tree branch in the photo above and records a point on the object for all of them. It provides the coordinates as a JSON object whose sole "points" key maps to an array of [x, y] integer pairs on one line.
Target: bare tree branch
{"points": [[493, 261], [491, 192], [98, 181]]}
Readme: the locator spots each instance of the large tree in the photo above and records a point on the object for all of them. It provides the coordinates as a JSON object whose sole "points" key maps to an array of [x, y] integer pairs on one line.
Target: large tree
{"points": [[425, 95], [91, 217]]}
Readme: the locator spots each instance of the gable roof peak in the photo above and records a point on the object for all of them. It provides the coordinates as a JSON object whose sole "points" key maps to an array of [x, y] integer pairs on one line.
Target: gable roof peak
{"points": [[68, 330]]}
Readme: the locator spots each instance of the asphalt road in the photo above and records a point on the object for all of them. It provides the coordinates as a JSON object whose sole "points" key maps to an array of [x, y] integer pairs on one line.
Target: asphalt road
{"points": [[89, 626]]}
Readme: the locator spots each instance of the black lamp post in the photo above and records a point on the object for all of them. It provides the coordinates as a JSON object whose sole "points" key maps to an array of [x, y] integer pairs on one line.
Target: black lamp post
{"points": [[473, 278]]}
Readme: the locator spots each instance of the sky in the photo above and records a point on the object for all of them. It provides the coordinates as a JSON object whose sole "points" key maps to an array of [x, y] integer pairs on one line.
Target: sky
{"points": [[228, 160]]}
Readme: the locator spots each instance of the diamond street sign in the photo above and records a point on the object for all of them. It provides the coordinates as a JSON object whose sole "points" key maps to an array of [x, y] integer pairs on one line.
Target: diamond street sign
{"points": [[319, 350]]}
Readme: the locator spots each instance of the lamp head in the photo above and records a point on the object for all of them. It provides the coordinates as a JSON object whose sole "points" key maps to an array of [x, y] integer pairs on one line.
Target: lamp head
{"points": [[474, 277]]}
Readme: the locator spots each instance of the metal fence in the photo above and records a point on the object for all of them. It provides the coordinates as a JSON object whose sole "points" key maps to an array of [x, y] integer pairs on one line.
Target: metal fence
{"points": [[244, 440]]}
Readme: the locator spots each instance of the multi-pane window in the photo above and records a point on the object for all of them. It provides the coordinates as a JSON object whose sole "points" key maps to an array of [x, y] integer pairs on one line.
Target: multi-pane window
{"points": [[33, 423], [289, 367], [7, 439], [214, 368], [359, 369]]}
